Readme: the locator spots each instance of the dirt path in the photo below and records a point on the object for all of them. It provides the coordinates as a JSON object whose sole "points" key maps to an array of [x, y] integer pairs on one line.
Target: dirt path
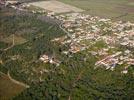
{"points": [[13, 42], [14, 81], [17, 82], [9, 89]]}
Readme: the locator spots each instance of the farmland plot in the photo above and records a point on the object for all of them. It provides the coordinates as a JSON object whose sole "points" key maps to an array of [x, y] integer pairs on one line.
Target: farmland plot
{"points": [[113, 9], [56, 6]]}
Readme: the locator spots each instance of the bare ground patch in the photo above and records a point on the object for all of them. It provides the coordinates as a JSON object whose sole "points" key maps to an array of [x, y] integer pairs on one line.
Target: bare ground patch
{"points": [[56, 6]]}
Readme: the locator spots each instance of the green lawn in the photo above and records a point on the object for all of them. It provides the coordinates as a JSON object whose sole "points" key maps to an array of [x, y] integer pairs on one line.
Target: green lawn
{"points": [[106, 8]]}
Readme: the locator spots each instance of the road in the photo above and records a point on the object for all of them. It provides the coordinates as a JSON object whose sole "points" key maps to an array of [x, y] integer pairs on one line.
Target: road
{"points": [[68, 34]]}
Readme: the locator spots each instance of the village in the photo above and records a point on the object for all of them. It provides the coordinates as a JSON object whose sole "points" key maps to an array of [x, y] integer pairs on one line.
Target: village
{"points": [[67, 49], [83, 32], [86, 31]]}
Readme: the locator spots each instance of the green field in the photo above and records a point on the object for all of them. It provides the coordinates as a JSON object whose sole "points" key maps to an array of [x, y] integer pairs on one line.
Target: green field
{"points": [[115, 9], [8, 89]]}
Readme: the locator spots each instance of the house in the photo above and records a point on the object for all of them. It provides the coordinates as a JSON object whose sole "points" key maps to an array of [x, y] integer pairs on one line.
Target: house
{"points": [[49, 59], [124, 72], [109, 61], [44, 58], [130, 61], [11, 2]]}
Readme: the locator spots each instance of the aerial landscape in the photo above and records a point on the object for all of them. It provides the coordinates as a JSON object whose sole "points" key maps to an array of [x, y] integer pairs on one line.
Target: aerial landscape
{"points": [[66, 49]]}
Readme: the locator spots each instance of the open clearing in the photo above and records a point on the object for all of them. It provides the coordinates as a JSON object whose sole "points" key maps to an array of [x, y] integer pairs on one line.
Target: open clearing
{"points": [[17, 40], [106, 8], [8, 89], [56, 6]]}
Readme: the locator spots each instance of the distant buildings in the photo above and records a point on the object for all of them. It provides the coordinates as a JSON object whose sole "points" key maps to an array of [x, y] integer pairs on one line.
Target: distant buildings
{"points": [[85, 28], [11, 2], [49, 59], [109, 62]]}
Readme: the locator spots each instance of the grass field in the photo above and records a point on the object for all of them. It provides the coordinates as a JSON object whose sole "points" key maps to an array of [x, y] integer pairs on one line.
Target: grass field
{"points": [[8, 89], [118, 9]]}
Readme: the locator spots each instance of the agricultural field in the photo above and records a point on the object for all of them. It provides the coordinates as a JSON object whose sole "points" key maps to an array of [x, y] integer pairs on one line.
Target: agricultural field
{"points": [[114, 9], [56, 6], [8, 89]]}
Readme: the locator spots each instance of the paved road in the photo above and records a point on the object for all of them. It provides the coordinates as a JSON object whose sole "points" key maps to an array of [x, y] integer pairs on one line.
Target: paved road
{"points": [[68, 34]]}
